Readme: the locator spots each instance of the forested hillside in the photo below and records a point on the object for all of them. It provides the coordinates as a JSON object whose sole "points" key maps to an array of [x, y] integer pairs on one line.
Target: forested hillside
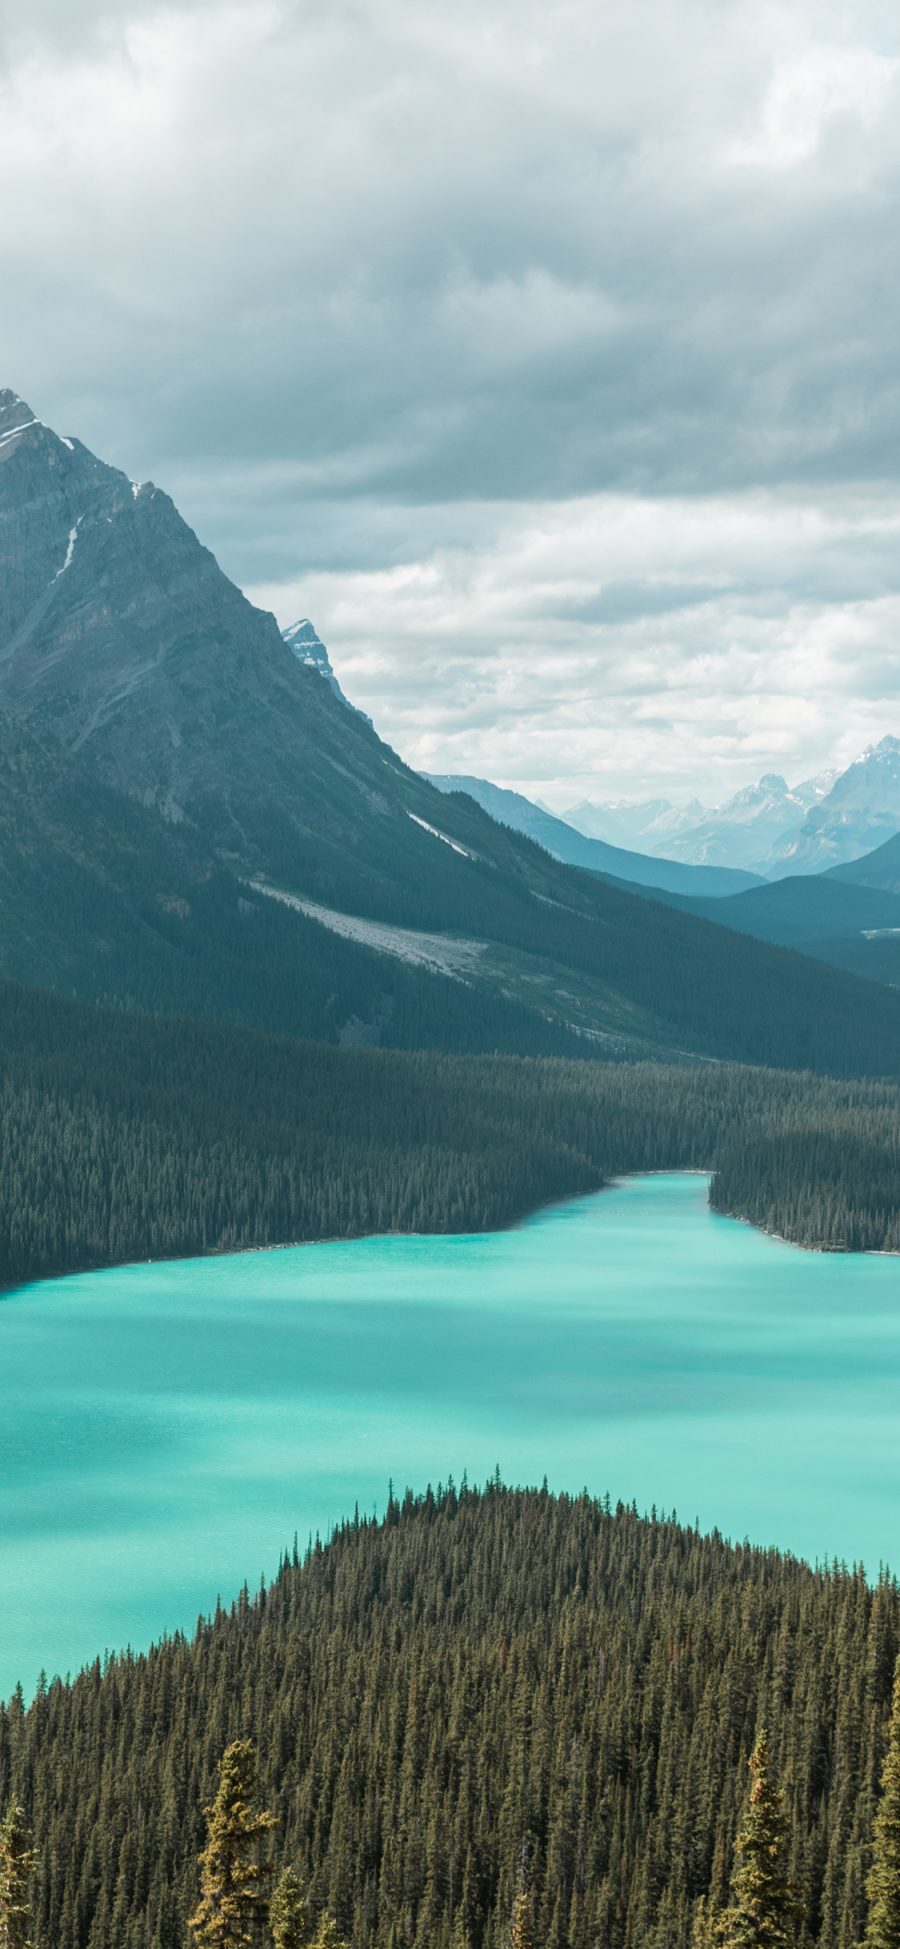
{"points": [[483, 1691], [123, 1137]]}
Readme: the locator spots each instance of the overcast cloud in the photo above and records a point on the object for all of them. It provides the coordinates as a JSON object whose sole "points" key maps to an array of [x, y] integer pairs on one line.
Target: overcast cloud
{"points": [[545, 356]]}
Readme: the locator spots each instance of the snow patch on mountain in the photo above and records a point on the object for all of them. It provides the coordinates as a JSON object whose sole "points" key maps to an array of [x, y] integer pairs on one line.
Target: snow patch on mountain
{"points": [[70, 550], [436, 834]]}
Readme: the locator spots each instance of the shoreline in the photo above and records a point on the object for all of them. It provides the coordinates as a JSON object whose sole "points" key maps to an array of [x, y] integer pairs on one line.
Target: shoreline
{"points": [[486, 1231]]}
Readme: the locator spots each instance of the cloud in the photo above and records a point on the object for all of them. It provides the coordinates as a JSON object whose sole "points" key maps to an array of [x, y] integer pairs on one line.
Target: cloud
{"points": [[597, 646], [402, 303]]}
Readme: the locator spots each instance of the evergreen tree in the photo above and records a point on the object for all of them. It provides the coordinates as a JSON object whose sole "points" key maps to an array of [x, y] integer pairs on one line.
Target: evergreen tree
{"points": [[234, 1867], [763, 1914], [883, 1931], [708, 1925], [328, 1935], [16, 1862], [521, 1934], [289, 1916]]}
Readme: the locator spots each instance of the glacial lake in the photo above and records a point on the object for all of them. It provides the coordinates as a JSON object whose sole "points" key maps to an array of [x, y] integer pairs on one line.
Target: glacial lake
{"points": [[165, 1429]]}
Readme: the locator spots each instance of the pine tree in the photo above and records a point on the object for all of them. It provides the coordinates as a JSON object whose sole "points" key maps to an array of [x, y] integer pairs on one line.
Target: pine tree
{"points": [[289, 1917], [328, 1935], [763, 1912], [883, 1931], [16, 1861], [234, 1867], [521, 1934], [707, 1926]]}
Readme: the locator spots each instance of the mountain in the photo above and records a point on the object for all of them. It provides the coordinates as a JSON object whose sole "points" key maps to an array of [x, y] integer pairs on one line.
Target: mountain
{"points": [[880, 868], [852, 924], [644, 823], [101, 898], [128, 658], [512, 809], [861, 809], [748, 827], [770, 829], [308, 648], [745, 830]]}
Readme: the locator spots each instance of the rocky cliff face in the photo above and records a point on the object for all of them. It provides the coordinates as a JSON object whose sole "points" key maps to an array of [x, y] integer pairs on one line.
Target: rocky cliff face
{"points": [[121, 637], [307, 646]]}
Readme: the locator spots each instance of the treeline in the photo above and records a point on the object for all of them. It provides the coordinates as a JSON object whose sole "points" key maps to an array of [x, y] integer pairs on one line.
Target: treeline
{"points": [[830, 1182], [124, 1137], [484, 1691]]}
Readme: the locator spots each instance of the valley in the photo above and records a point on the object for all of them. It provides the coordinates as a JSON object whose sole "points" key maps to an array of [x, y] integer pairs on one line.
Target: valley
{"points": [[449, 977]]}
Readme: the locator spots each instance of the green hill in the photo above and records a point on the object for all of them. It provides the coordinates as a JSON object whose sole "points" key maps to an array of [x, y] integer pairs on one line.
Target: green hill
{"points": [[480, 1693]]}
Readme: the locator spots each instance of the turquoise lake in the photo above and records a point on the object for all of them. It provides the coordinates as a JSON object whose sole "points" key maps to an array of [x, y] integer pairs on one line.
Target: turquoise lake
{"points": [[165, 1429]]}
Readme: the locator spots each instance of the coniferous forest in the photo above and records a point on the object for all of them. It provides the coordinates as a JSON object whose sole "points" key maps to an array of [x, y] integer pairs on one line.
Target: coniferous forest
{"points": [[125, 1137], [483, 1695]]}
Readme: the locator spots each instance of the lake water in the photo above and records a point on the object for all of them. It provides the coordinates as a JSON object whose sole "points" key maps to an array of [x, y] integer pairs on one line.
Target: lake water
{"points": [[165, 1429]]}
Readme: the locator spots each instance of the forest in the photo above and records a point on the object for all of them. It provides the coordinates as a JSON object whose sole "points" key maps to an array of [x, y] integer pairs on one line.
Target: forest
{"points": [[483, 1691], [125, 1137]]}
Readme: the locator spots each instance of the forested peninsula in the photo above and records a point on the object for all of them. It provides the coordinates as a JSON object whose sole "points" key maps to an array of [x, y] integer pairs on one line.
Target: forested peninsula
{"points": [[125, 1137], [481, 1694]]}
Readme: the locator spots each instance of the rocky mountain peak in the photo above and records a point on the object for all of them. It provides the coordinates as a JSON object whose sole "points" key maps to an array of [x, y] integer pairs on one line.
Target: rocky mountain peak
{"points": [[14, 411], [307, 646]]}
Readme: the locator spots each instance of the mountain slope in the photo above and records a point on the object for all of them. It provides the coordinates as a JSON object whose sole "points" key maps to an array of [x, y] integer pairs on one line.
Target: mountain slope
{"points": [[880, 868], [101, 898], [575, 849], [852, 926], [122, 641]]}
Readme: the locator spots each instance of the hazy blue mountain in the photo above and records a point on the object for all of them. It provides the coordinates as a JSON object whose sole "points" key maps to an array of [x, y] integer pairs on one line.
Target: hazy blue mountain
{"points": [[745, 829], [861, 809], [560, 839], [770, 829]]}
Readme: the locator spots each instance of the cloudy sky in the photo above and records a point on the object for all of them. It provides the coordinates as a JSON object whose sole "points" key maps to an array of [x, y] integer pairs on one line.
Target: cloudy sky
{"points": [[546, 356]]}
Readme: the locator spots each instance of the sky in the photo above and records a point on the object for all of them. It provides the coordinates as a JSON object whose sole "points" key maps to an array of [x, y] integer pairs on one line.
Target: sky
{"points": [[546, 356]]}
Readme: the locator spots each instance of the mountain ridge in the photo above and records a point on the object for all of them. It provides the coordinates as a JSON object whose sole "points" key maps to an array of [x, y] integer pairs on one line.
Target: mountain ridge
{"points": [[771, 829]]}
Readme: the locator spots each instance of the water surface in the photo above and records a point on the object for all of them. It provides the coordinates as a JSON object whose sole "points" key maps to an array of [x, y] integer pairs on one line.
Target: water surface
{"points": [[165, 1429]]}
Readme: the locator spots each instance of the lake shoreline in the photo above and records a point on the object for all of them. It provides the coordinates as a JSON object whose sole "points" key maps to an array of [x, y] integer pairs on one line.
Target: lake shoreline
{"points": [[514, 1224]]}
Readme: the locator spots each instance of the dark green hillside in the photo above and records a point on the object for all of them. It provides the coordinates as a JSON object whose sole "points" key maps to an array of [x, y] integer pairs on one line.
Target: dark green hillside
{"points": [[824, 916], [123, 1137], [101, 898], [483, 1690], [880, 868]]}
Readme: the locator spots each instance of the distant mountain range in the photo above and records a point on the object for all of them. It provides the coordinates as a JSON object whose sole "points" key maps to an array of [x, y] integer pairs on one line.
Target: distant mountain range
{"points": [[562, 840], [194, 820], [848, 915], [769, 829]]}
